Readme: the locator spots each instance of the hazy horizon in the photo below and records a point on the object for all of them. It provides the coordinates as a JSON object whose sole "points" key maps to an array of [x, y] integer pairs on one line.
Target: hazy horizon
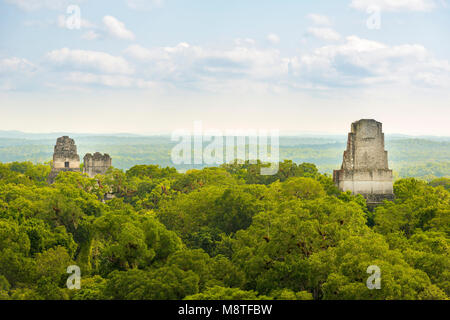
{"points": [[168, 133]]}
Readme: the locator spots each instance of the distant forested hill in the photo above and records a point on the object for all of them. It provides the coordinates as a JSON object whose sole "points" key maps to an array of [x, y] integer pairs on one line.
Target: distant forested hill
{"points": [[424, 157]]}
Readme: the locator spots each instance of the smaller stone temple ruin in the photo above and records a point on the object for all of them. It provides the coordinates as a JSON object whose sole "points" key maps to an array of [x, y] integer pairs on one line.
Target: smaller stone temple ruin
{"points": [[96, 164], [65, 157], [365, 167]]}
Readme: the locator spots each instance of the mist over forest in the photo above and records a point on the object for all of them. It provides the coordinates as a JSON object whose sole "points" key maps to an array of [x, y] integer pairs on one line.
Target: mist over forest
{"points": [[424, 157]]}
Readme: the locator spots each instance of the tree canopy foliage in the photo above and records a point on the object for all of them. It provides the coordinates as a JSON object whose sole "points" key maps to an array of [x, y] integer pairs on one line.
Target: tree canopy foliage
{"points": [[218, 233]]}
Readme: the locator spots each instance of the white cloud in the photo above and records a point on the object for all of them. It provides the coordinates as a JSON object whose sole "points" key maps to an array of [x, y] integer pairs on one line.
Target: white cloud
{"points": [[364, 62], [117, 28], [138, 52], [30, 5], [319, 19], [244, 42], [324, 33], [90, 60], [90, 35], [162, 53], [353, 62], [144, 4], [273, 38], [14, 64], [394, 5], [185, 62], [15, 73], [117, 81], [62, 22]]}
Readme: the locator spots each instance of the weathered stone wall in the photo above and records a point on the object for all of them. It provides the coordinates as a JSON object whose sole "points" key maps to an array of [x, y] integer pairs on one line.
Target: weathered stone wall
{"points": [[96, 164], [65, 157], [364, 167]]}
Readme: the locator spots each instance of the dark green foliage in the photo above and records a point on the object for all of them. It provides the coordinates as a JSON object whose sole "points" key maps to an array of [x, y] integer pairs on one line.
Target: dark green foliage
{"points": [[218, 233]]}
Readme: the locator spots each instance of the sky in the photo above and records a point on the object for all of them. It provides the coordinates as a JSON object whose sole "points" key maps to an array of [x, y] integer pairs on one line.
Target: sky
{"points": [[155, 66]]}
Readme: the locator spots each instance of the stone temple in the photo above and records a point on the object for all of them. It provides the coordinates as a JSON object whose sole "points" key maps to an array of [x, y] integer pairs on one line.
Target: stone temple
{"points": [[65, 157], [96, 164], [365, 167]]}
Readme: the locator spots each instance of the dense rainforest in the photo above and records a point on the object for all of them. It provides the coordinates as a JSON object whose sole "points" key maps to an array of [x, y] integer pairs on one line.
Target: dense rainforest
{"points": [[425, 157], [218, 233]]}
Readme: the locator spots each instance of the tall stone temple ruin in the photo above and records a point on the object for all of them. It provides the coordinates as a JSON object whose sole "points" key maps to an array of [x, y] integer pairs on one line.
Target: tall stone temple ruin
{"points": [[365, 167], [65, 158], [96, 164]]}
